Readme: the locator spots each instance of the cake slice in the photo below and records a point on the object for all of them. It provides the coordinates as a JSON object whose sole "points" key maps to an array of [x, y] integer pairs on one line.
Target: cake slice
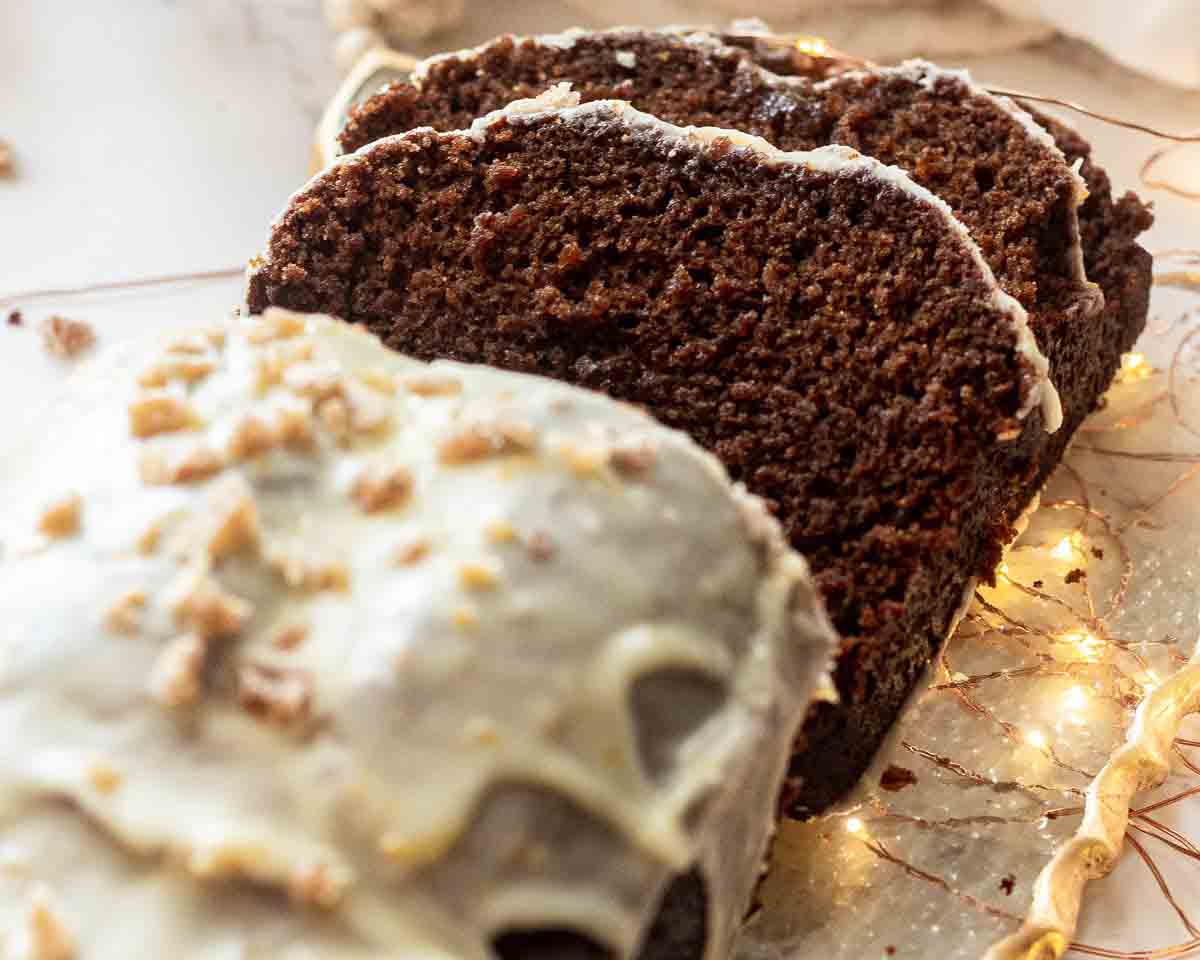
{"points": [[312, 650], [819, 321]]}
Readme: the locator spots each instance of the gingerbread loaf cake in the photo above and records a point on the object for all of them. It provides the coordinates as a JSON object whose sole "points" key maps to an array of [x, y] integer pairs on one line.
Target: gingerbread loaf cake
{"points": [[302, 658], [819, 321]]}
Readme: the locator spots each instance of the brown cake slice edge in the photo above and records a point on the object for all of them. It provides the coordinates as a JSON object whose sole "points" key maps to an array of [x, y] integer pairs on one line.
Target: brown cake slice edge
{"points": [[820, 322]]}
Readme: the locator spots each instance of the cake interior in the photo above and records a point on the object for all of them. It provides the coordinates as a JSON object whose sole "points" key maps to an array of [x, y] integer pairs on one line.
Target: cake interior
{"points": [[826, 334]]}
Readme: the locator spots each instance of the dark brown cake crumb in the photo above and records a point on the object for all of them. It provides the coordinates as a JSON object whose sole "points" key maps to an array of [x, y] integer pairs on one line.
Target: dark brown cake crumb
{"points": [[896, 778], [1038, 584], [1008, 884], [1075, 576], [1098, 553], [15, 318]]}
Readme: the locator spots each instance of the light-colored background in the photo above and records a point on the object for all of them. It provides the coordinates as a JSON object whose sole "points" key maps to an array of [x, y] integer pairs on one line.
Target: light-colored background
{"points": [[156, 137]]}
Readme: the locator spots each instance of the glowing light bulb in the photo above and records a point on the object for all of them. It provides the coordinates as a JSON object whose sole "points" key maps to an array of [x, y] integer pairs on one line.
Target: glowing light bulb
{"points": [[1134, 367], [1075, 699], [812, 46], [1035, 738], [1065, 548], [854, 825]]}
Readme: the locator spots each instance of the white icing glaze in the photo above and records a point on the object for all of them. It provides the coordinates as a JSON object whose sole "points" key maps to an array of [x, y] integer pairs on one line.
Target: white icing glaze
{"points": [[559, 100], [513, 557]]}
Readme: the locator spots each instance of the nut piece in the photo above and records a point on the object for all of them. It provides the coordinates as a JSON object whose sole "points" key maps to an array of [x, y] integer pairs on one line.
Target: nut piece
{"points": [[187, 368], [411, 553], [66, 338], [277, 696], [234, 519], [477, 576], [583, 461], [158, 468], [252, 437], [500, 531], [201, 604], [178, 671], [125, 616], [290, 636], [276, 324], [302, 572], [378, 380], [104, 779], [153, 413], [278, 358], [635, 460], [61, 517], [382, 487], [433, 385], [317, 885], [45, 936], [7, 167], [483, 440]]}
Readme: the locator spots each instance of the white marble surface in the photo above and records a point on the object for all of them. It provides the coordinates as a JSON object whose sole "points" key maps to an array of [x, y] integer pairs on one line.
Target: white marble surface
{"points": [[155, 137]]}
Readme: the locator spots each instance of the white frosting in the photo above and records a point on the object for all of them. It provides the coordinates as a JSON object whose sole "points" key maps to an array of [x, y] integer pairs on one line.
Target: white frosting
{"points": [[343, 696], [559, 100]]}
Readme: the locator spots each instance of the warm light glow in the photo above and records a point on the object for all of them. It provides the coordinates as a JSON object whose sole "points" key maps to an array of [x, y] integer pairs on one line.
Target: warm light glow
{"points": [[812, 46], [1066, 547], [1076, 698], [854, 825], [1003, 569], [1086, 644], [1134, 367], [1152, 681], [1035, 738]]}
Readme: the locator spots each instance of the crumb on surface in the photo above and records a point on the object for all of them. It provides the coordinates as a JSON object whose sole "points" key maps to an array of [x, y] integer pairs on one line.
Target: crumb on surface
{"points": [[15, 318], [896, 778], [1075, 576], [1008, 884], [66, 338]]}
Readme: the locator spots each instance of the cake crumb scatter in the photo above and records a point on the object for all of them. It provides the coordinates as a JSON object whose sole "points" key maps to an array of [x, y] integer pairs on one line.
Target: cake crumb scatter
{"points": [[66, 338], [15, 318], [61, 517], [275, 695], [125, 616], [382, 488]]}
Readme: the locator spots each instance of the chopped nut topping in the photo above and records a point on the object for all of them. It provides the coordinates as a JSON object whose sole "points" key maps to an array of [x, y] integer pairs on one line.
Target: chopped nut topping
{"points": [[465, 618], [45, 936], [483, 440], [541, 546], [334, 415], [378, 380], [149, 539], [382, 487], [125, 616], [477, 576], [189, 343], [6, 160], [154, 413], [188, 368], [252, 437], [201, 604], [104, 779], [157, 467], [583, 461], [66, 338], [177, 673], [277, 696], [319, 381], [234, 519], [278, 358], [215, 336], [634, 460], [317, 885], [369, 412], [500, 531], [295, 427], [434, 386], [290, 636], [414, 851], [276, 324], [61, 517], [311, 574], [411, 553]]}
